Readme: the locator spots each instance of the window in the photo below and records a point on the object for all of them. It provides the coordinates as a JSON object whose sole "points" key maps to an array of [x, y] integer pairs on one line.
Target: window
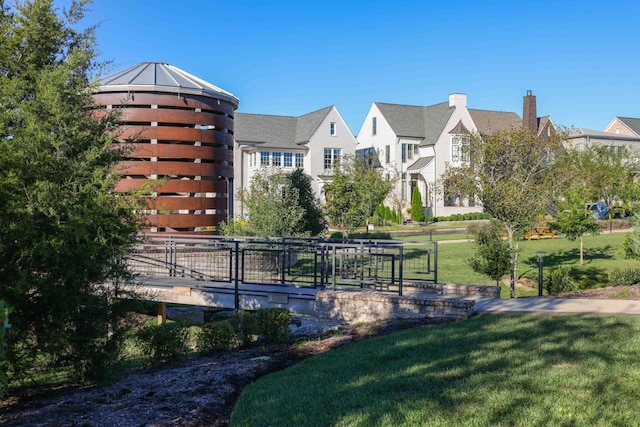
{"points": [[276, 158], [331, 157], [374, 125], [264, 158], [333, 128], [387, 154], [416, 150], [299, 163], [288, 160], [459, 149], [404, 153]]}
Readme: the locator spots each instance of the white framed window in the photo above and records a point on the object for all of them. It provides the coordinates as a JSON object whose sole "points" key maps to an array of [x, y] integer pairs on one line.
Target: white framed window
{"points": [[374, 125], [264, 158], [331, 157], [276, 158], [459, 149], [332, 129], [404, 153], [288, 160], [387, 154], [299, 160]]}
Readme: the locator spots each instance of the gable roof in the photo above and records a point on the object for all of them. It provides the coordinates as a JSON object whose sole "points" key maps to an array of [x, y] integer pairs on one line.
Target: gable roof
{"points": [[414, 121], [631, 123], [488, 121], [278, 131]]}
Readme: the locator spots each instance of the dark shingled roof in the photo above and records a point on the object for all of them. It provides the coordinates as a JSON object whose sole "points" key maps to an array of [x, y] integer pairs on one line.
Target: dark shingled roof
{"points": [[277, 131], [414, 121], [488, 121], [631, 123]]}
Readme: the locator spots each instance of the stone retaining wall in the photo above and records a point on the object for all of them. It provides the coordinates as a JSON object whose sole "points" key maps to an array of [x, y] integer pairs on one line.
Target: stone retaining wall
{"points": [[368, 306], [460, 290]]}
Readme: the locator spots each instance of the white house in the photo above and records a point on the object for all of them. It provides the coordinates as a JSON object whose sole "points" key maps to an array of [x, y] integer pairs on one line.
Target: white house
{"points": [[416, 143], [313, 142]]}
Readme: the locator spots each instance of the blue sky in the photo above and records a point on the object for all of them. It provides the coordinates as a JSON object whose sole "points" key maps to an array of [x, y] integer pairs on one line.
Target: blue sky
{"points": [[580, 58]]}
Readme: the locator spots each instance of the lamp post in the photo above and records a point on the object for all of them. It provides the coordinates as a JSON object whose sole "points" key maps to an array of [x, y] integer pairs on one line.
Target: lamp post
{"points": [[540, 262]]}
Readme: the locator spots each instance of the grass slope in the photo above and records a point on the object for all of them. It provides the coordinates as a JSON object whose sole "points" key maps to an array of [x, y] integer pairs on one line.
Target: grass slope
{"points": [[491, 370]]}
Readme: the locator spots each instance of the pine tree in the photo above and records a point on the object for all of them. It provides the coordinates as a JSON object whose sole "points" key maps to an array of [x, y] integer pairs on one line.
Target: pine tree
{"points": [[62, 230], [416, 205]]}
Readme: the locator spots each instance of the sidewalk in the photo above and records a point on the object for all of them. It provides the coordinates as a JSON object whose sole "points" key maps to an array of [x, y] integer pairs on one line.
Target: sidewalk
{"points": [[551, 305]]}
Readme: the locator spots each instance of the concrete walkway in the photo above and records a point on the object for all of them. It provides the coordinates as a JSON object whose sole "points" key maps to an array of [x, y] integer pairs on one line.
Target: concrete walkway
{"points": [[551, 305]]}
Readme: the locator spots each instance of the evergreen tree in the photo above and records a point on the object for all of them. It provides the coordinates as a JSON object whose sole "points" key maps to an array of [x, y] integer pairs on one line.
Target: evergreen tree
{"points": [[631, 244], [62, 230], [416, 205], [311, 223]]}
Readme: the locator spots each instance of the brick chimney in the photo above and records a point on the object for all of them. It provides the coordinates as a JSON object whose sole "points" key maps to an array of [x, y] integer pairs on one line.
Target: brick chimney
{"points": [[529, 112]]}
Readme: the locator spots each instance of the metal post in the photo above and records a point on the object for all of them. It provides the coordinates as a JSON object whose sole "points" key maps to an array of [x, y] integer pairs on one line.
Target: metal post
{"points": [[540, 263], [236, 300]]}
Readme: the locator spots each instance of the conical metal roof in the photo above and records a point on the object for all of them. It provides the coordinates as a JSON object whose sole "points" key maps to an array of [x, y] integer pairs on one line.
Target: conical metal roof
{"points": [[161, 77]]}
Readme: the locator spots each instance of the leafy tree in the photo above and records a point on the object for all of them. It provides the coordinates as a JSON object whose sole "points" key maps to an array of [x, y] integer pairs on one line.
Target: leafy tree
{"points": [[493, 254], [4, 325], [604, 175], [62, 230], [514, 175], [416, 205], [354, 192], [574, 220], [281, 204], [631, 244]]}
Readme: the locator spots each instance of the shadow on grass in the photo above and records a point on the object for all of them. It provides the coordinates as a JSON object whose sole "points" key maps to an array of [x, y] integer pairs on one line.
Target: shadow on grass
{"points": [[488, 370]]}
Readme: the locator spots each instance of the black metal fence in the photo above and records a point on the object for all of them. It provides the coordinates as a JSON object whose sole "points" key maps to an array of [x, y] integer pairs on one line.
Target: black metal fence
{"points": [[293, 262]]}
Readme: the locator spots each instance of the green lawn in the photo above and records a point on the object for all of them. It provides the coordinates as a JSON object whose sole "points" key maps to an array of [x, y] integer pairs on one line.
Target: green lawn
{"points": [[602, 254], [490, 370]]}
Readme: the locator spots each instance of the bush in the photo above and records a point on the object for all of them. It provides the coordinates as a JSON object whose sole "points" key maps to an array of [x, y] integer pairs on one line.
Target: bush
{"points": [[166, 342], [274, 324], [559, 280], [217, 336], [626, 277], [246, 326]]}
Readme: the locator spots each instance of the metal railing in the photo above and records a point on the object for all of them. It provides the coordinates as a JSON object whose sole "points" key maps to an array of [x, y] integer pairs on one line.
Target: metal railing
{"points": [[293, 262]]}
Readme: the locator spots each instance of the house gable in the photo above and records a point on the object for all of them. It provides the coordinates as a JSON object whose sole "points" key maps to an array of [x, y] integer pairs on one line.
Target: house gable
{"points": [[624, 126]]}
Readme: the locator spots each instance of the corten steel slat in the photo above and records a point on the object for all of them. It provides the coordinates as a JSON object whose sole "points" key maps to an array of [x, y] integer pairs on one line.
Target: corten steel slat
{"points": [[172, 133], [178, 151], [165, 99], [185, 220], [186, 203], [174, 185], [175, 116], [175, 168]]}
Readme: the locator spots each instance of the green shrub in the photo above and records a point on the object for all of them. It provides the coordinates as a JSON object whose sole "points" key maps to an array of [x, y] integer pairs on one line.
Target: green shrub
{"points": [[559, 280], [217, 336], [273, 324], [626, 277], [166, 342], [246, 326]]}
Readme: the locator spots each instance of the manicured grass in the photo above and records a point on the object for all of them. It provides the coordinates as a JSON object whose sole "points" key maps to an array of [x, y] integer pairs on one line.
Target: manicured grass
{"points": [[602, 254], [490, 370]]}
